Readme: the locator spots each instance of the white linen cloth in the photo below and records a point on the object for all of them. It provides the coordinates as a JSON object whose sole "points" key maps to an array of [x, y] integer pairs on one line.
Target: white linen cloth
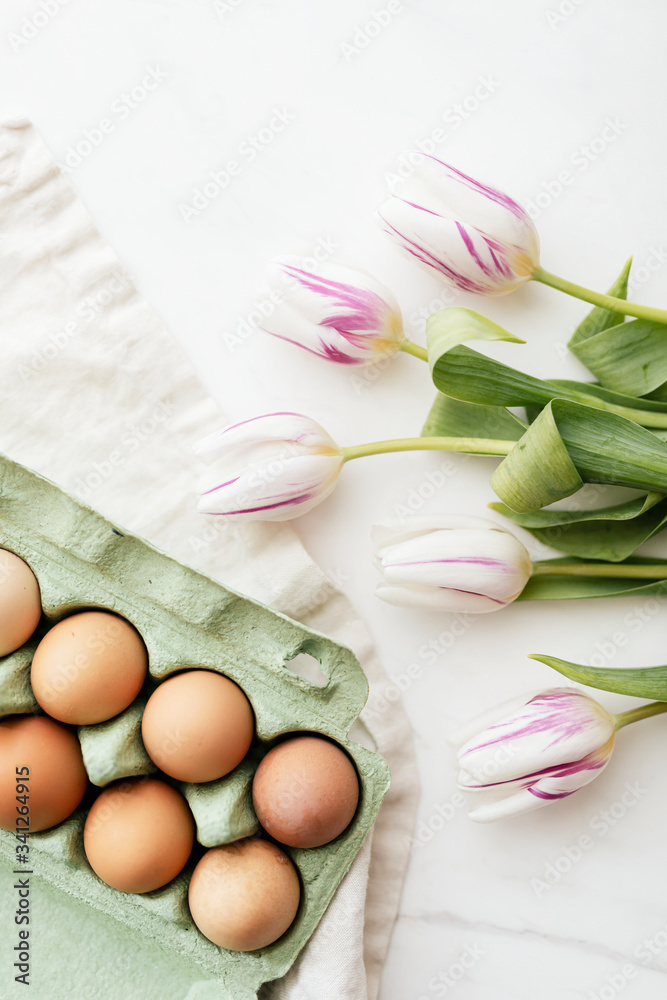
{"points": [[95, 395]]}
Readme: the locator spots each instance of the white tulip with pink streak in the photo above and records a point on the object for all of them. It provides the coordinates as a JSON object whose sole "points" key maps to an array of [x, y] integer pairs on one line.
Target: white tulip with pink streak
{"points": [[450, 562], [470, 235], [269, 468], [339, 313], [529, 753]]}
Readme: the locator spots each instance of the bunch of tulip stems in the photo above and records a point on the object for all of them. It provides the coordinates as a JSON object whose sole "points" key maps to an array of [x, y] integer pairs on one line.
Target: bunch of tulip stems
{"points": [[279, 465]]}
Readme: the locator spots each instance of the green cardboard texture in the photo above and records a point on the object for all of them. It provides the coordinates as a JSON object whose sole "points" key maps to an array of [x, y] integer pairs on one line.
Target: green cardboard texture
{"points": [[83, 561]]}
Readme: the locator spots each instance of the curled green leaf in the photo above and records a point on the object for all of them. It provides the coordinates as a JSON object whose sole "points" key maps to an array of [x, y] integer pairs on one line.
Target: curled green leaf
{"points": [[569, 444]]}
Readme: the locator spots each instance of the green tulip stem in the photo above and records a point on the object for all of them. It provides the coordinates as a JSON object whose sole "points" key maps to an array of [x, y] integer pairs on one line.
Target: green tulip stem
{"points": [[414, 349], [634, 571], [647, 418], [636, 714], [599, 299], [470, 446]]}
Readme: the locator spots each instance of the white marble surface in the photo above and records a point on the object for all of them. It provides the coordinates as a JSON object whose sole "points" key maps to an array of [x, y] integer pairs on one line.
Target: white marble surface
{"points": [[517, 93]]}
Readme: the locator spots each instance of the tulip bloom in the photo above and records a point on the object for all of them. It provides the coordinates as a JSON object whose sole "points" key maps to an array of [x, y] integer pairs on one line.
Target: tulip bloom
{"points": [[269, 468], [338, 313], [529, 754], [450, 563], [472, 236]]}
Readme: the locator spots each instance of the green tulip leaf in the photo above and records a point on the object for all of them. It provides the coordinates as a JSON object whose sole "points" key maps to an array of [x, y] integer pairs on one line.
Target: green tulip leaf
{"points": [[447, 328], [640, 682], [609, 533], [600, 319], [619, 400], [465, 374], [453, 418], [629, 358], [569, 444]]}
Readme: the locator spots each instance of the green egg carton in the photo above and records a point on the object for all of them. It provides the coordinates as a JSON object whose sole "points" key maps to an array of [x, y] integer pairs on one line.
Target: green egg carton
{"points": [[83, 561]]}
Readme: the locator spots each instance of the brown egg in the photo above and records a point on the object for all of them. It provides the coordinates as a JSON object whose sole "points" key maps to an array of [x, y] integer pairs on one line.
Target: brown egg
{"points": [[40, 759], [139, 834], [305, 791], [197, 726], [88, 668], [20, 602], [245, 895]]}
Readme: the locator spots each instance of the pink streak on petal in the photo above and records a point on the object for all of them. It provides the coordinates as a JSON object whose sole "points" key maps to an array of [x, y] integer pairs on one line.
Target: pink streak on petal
{"points": [[262, 416], [492, 193], [473, 593], [367, 308], [475, 560], [458, 279], [269, 506], [470, 247], [328, 352], [553, 721], [220, 486]]}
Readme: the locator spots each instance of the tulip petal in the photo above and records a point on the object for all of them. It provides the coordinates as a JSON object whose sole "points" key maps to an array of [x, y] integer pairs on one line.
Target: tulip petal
{"points": [[393, 530], [287, 323], [259, 494], [268, 427], [465, 258], [455, 601], [333, 285], [485, 719], [569, 778], [522, 801], [449, 192]]}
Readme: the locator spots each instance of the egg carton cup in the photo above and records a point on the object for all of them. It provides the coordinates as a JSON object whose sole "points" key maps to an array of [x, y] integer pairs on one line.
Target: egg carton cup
{"points": [[83, 561]]}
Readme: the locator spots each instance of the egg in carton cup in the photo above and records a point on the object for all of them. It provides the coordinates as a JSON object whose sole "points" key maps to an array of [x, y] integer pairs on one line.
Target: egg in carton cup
{"points": [[83, 562]]}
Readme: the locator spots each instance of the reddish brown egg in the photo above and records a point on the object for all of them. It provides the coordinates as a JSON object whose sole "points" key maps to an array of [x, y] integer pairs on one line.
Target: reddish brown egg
{"points": [[139, 834], [197, 726], [20, 602], [305, 791], [88, 668], [42, 777], [245, 895]]}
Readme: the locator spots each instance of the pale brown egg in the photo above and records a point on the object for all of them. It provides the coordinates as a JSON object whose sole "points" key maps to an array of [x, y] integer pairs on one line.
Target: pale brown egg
{"points": [[305, 791], [20, 602], [197, 726], [41, 768], [139, 834], [88, 668], [245, 895]]}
